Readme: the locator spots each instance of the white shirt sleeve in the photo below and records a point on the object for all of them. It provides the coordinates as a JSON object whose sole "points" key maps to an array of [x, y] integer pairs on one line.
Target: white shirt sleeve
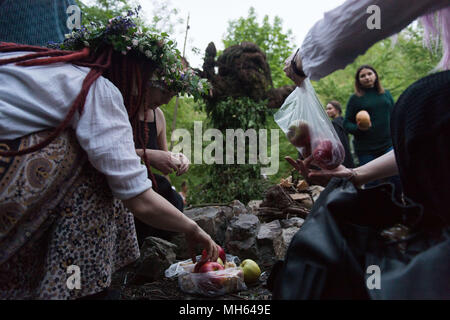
{"points": [[104, 132], [342, 35], [39, 97]]}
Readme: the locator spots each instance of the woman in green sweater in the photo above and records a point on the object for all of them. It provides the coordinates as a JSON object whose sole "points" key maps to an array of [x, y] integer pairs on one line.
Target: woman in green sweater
{"points": [[375, 140]]}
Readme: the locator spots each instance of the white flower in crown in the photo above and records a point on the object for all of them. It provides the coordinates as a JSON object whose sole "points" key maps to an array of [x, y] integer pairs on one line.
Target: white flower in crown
{"points": [[86, 43], [135, 42], [124, 52], [141, 48], [148, 54]]}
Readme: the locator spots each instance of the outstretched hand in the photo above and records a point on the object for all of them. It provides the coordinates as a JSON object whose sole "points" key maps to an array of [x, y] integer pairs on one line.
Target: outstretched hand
{"points": [[318, 177]]}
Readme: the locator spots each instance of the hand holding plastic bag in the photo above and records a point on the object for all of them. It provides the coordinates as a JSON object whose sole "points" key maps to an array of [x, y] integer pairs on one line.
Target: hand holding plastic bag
{"points": [[307, 127]]}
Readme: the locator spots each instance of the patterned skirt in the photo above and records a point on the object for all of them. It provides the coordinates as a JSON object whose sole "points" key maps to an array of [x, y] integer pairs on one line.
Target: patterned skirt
{"points": [[62, 233]]}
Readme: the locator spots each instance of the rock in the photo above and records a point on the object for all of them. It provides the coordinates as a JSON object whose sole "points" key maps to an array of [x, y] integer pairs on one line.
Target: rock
{"points": [[242, 227], [315, 191], [292, 222], [182, 250], [213, 220], [245, 249], [238, 207], [281, 243], [253, 206], [240, 237], [156, 256], [268, 232]]}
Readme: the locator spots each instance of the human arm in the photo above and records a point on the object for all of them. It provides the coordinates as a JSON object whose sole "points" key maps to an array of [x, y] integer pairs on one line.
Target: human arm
{"points": [[381, 167], [342, 34], [105, 133], [153, 209]]}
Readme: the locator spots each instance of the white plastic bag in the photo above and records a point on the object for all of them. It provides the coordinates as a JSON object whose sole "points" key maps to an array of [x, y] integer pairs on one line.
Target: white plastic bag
{"points": [[211, 284], [306, 125]]}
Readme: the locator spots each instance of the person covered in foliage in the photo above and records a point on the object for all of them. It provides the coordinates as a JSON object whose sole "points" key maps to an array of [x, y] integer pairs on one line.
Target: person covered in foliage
{"points": [[334, 111], [71, 180]]}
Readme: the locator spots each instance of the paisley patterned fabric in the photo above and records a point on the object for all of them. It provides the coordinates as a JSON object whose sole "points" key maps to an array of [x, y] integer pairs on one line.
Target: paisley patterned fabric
{"points": [[57, 211]]}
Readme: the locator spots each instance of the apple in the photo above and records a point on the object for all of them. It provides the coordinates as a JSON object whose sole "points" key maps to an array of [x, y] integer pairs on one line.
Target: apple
{"points": [[219, 261], [222, 254], [328, 155], [201, 262], [210, 266], [251, 270], [298, 134], [363, 119]]}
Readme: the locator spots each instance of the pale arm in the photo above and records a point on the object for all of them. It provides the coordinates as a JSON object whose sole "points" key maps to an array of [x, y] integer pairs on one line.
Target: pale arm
{"points": [[382, 167], [154, 210]]}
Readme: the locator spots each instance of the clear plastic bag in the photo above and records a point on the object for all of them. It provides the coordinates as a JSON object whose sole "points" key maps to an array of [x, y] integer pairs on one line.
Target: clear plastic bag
{"points": [[306, 125], [210, 284]]}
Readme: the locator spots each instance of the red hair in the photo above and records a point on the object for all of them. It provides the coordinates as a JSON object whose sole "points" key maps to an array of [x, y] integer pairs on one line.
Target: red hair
{"points": [[129, 73]]}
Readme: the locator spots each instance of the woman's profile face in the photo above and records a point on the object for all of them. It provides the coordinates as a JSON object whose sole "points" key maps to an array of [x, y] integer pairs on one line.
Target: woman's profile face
{"points": [[331, 111], [367, 78], [158, 97]]}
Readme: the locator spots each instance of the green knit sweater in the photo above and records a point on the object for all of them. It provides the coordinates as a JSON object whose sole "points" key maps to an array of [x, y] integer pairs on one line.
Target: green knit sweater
{"points": [[379, 106]]}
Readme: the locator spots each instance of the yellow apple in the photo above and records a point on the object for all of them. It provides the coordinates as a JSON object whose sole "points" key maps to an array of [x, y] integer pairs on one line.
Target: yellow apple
{"points": [[220, 261], [251, 270]]}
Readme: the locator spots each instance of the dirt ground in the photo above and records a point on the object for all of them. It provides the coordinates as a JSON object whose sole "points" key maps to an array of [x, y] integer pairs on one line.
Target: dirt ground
{"points": [[168, 289]]}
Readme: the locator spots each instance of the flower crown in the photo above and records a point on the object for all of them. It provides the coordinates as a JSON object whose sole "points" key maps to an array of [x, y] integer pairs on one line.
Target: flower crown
{"points": [[124, 36]]}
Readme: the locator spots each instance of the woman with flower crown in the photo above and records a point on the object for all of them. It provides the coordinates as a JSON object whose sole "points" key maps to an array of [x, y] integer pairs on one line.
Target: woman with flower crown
{"points": [[70, 178]]}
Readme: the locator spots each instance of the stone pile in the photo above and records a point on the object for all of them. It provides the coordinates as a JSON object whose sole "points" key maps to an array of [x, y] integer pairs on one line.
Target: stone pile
{"points": [[261, 231]]}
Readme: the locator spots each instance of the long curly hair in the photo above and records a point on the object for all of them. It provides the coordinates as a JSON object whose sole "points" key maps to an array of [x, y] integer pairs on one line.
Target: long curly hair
{"points": [[129, 73]]}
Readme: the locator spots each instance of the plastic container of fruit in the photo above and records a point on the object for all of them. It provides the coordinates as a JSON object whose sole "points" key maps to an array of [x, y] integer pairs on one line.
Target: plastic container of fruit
{"points": [[211, 283]]}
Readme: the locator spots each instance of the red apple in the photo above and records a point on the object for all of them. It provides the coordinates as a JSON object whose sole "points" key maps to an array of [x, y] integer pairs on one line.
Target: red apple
{"points": [[328, 155], [210, 266], [222, 254]]}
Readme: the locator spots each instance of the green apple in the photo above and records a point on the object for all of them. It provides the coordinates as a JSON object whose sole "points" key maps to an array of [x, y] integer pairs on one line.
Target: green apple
{"points": [[220, 262], [251, 270]]}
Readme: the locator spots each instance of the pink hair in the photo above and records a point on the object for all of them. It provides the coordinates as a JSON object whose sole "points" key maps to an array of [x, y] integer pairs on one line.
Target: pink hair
{"points": [[437, 26]]}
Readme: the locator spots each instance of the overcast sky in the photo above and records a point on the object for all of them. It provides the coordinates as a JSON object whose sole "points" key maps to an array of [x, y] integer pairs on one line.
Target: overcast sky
{"points": [[209, 19]]}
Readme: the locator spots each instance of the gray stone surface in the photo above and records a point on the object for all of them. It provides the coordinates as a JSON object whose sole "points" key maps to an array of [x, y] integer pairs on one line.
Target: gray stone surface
{"points": [[156, 256], [281, 243]]}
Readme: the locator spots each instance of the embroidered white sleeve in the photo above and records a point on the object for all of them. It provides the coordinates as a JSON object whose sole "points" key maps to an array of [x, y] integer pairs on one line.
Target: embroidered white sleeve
{"points": [[105, 133]]}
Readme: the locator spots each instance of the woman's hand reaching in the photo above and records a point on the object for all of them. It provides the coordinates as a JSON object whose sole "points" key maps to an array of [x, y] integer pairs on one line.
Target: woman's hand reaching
{"points": [[319, 177], [199, 237]]}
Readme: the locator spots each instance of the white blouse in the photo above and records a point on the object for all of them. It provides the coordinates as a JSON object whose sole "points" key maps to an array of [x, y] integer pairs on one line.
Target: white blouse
{"points": [[342, 35], [39, 97]]}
